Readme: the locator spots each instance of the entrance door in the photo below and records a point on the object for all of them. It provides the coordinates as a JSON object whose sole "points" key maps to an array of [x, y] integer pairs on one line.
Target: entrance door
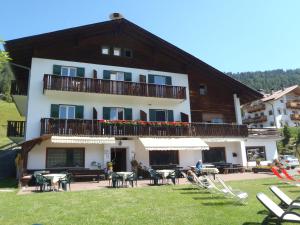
{"points": [[118, 157], [214, 155]]}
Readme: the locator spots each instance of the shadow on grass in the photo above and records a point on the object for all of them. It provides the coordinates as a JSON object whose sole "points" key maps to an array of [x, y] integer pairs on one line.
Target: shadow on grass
{"points": [[251, 223], [209, 198], [232, 203], [8, 183], [185, 189], [190, 192], [277, 184], [263, 212]]}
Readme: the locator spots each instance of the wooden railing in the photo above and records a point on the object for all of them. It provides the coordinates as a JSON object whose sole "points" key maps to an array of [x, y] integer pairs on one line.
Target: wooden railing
{"points": [[257, 119], [18, 88], [96, 127], [90, 85], [256, 108], [15, 128], [261, 132], [293, 105]]}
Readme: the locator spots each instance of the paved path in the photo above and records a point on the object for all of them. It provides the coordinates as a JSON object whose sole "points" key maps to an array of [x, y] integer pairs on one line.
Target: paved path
{"points": [[82, 186]]}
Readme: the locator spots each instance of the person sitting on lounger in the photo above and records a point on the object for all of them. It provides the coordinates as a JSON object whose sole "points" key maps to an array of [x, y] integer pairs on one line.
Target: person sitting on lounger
{"points": [[199, 166], [190, 176]]}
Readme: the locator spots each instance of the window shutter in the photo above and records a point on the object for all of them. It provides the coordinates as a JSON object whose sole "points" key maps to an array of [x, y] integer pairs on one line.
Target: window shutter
{"points": [[151, 79], [106, 113], [142, 78], [54, 111], [168, 80], [170, 116], [184, 117], [127, 77], [79, 111], [143, 115], [80, 72], [56, 69], [152, 115], [106, 74], [128, 113]]}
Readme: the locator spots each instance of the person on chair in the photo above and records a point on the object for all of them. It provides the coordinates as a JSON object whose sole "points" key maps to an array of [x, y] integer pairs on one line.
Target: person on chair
{"points": [[199, 166]]}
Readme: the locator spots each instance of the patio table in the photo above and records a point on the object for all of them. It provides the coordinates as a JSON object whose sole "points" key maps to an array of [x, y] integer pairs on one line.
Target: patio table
{"points": [[54, 177], [164, 173], [124, 175]]}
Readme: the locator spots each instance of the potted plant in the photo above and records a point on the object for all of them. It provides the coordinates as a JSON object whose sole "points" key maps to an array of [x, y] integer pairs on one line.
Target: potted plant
{"points": [[110, 166], [134, 165]]}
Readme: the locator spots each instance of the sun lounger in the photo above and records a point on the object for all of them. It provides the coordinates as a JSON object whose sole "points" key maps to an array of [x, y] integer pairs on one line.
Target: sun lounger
{"points": [[286, 201], [276, 212], [288, 176], [284, 179]]}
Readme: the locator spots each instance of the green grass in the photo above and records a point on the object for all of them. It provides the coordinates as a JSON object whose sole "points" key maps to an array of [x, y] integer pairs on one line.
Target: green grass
{"points": [[8, 111], [151, 205]]}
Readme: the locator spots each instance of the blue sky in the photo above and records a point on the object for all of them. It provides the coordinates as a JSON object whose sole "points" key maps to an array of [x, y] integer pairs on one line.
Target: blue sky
{"points": [[231, 35]]}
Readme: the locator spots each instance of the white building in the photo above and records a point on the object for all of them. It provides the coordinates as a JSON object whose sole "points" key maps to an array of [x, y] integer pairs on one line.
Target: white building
{"points": [[114, 92], [275, 110]]}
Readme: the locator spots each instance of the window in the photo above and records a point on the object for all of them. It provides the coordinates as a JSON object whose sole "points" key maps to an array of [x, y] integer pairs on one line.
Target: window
{"points": [[262, 114], [161, 80], [256, 114], [117, 51], [202, 89], [261, 125], [217, 120], [64, 157], [116, 113], [114, 75], [66, 112], [105, 50], [254, 153], [270, 112], [284, 111], [272, 124], [68, 71], [281, 100], [163, 157], [128, 53], [215, 154], [161, 115]]}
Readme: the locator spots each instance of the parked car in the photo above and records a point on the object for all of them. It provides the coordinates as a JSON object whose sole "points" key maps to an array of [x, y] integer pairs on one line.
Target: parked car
{"points": [[289, 161]]}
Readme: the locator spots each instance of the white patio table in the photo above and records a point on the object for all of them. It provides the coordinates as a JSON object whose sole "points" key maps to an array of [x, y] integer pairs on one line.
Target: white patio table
{"points": [[54, 177], [124, 175], [164, 174]]}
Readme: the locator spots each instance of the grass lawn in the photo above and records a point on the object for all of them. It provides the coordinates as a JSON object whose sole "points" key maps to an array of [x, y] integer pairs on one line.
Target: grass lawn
{"points": [[151, 205], [8, 111]]}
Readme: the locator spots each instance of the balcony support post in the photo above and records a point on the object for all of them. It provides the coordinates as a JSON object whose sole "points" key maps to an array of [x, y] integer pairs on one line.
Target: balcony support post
{"points": [[237, 108]]}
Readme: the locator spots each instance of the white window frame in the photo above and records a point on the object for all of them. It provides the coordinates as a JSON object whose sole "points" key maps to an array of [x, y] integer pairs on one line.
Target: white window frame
{"points": [[117, 50], [68, 107], [117, 76], [69, 71], [116, 110], [104, 49], [202, 89]]}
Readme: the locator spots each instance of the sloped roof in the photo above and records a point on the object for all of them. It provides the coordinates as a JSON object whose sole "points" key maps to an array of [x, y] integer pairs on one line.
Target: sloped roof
{"points": [[22, 50], [280, 93]]}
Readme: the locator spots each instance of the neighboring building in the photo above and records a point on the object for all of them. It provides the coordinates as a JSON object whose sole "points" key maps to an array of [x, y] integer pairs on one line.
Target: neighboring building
{"points": [[275, 110], [113, 91]]}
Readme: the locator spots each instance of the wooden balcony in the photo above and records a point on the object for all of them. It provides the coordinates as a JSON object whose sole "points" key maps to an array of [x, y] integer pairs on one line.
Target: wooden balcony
{"points": [[256, 108], [77, 127], [15, 128], [18, 88], [295, 117], [293, 104], [257, 119], [100, 86]]}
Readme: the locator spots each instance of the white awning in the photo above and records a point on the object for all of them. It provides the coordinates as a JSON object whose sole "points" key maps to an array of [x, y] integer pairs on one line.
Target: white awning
{"points": [[173, 144], [82, 140]]}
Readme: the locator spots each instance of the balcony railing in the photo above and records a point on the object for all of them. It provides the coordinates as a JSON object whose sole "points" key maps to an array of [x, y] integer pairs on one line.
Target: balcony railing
{"points": [[90, 85], [18, 88], [295, 116], [256, 108], [15, 128], [257, 119], [293, 105], [79, 127]]}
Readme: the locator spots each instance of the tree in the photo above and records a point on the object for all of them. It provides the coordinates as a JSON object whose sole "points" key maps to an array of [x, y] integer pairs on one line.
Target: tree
{"points": [[4, 57], [297, 142], [6, 76], [286, 135]]}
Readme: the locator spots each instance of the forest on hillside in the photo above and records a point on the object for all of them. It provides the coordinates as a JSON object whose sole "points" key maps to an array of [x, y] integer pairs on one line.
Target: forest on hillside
{"points": [[268, 80]]}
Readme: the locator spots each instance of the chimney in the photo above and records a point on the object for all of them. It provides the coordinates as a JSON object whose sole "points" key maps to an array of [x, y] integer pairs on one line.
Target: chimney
{"points": [[116, 16]]}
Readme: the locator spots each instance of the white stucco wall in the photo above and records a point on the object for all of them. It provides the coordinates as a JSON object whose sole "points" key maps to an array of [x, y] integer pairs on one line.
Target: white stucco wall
{"points": [[39, 104], [37, 156]]}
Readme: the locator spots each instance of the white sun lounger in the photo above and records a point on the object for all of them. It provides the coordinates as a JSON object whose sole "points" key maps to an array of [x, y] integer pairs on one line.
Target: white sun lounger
{"points": [[286, 201], [276, 212]]}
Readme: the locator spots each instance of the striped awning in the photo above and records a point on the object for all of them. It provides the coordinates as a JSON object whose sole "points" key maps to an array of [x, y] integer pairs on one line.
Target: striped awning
{"points": [[83, 140], [161, 144]]}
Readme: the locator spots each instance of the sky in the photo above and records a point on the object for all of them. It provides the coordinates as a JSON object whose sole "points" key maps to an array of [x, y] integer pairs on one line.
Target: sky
{"points": [[230, 35]]}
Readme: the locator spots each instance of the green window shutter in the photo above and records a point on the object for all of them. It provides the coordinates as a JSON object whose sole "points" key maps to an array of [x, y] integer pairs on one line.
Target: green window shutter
{"points": [[128, 114], [106, 74], [56, 69], [79, 111], [54, 111], [106, 113], [168, 80], [80, 72], [151, 79], [127, 77], [170, 116], [152, 115]]}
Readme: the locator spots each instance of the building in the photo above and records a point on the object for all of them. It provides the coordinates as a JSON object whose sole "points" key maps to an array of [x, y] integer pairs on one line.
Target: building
{"points": [[112, 91], [275, 110]]}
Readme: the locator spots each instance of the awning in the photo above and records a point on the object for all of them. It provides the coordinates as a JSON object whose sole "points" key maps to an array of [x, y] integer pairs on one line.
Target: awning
{"points": [[174, 144], [82, 140]]}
